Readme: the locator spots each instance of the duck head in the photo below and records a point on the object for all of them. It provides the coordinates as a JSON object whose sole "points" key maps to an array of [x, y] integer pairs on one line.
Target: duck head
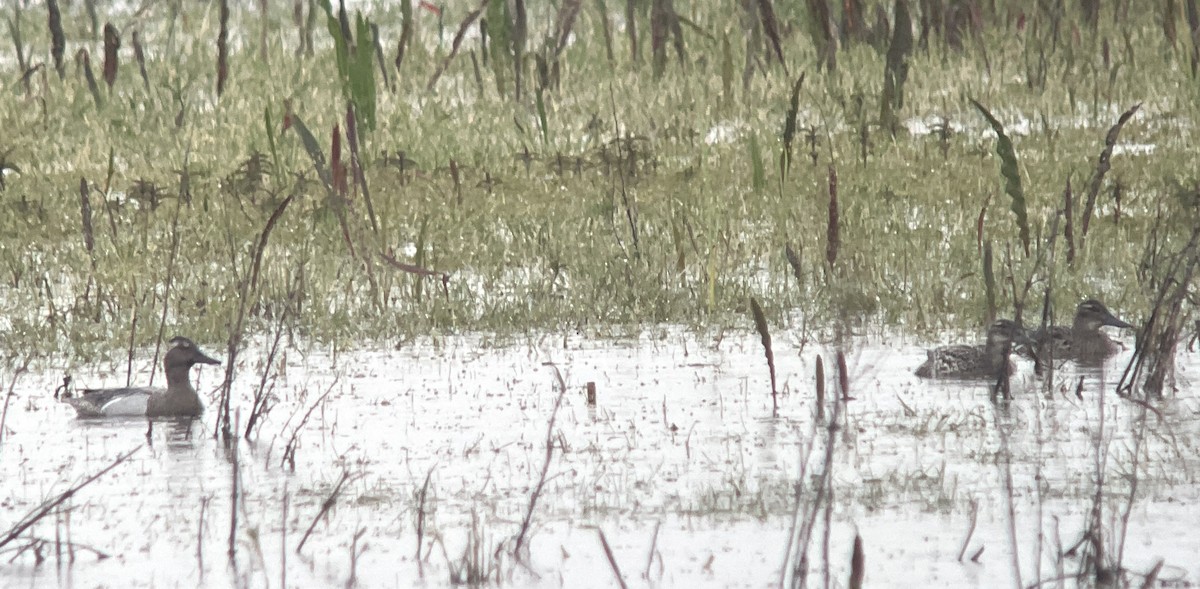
{"points": [[1004, 332], [184, 354], [1092, 315]]}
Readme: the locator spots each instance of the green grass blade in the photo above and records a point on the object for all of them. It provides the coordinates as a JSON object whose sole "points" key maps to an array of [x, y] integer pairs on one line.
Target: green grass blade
{"points": [[756, 162], [269, 126], [314, 151], [1010, 172]]}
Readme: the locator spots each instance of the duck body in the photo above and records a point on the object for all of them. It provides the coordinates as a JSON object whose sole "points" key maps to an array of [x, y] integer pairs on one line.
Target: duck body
{"points": [[988, 361], [1082, 342], [129, 401], [963, 362], [179, 399]]}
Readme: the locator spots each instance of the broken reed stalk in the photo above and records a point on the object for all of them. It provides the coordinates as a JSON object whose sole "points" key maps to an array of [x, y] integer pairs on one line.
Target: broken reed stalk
{"points": [[789, 132], [58, 41], [265, 27], [49, 506], [1139, 439], [200, 535], [418, 270], [223, 48], [383, 69], [795, 262], [283, 539], [1093, 535], [653, 550], [766, 12], [519, 543], [85, 212], [989, 283], [83, 58], [605, 29], [12, 385], [1004, 463], [233, 501], [970, 530], [132, 339], [895, 71], [356, 167], [660, 17], [310, 23], [14, 31], [1102, 167], [857, 567], [168, 281], [631, 29], [93, 17], [799, 553], [354, 554], [612, 561], [1151, 579], [564, 22], [406, 34], [248, 291], [799, 541], [140, 56], [62, 519], [454, 46], [337, 174], [326, 505], [422, 495], [1158, 339], [820, 389], [630, 205], [261, 406], [518, 31], [112, 42], [289, 450], [826, 530], [457, 179], [824, 34], [1068, 222], [843, 376], [832, 231], [764, 336]]}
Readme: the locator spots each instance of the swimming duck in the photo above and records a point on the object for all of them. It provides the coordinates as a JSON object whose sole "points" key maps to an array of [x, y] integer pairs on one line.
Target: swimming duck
{"points": [[976, 362], [179, 399], [1083, 342]]}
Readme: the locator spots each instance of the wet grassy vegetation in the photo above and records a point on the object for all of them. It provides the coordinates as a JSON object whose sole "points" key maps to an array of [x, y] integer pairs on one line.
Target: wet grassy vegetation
{"points": [[392, 179], [617, 188]]}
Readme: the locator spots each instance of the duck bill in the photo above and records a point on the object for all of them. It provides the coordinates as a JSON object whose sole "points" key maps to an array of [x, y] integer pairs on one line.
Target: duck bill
{"points": [[1112, 321], [202, 358]]}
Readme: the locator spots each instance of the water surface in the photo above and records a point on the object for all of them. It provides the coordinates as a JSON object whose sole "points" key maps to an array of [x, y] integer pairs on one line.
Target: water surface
{"points": [[680, 464]]}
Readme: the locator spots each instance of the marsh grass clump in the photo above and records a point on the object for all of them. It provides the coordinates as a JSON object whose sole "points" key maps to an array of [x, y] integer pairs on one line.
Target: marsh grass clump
{"points": [[1171, 273], [558, 182]]}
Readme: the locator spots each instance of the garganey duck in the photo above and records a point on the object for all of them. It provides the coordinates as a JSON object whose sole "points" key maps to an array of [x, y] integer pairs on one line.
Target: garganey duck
{"points": [[1083, 342], [976, 362], [179, 399]]}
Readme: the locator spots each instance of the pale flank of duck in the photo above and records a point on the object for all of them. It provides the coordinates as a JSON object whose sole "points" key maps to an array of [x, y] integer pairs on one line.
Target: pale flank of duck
{"points": [[111, 402]]}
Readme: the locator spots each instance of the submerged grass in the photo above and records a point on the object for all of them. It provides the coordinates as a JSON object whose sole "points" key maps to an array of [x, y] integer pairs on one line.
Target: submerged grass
{"points": [[665, 213]]}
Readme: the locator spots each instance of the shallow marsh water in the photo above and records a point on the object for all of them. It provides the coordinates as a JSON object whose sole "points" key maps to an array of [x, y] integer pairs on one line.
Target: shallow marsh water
{"points": [[681, 455]]}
